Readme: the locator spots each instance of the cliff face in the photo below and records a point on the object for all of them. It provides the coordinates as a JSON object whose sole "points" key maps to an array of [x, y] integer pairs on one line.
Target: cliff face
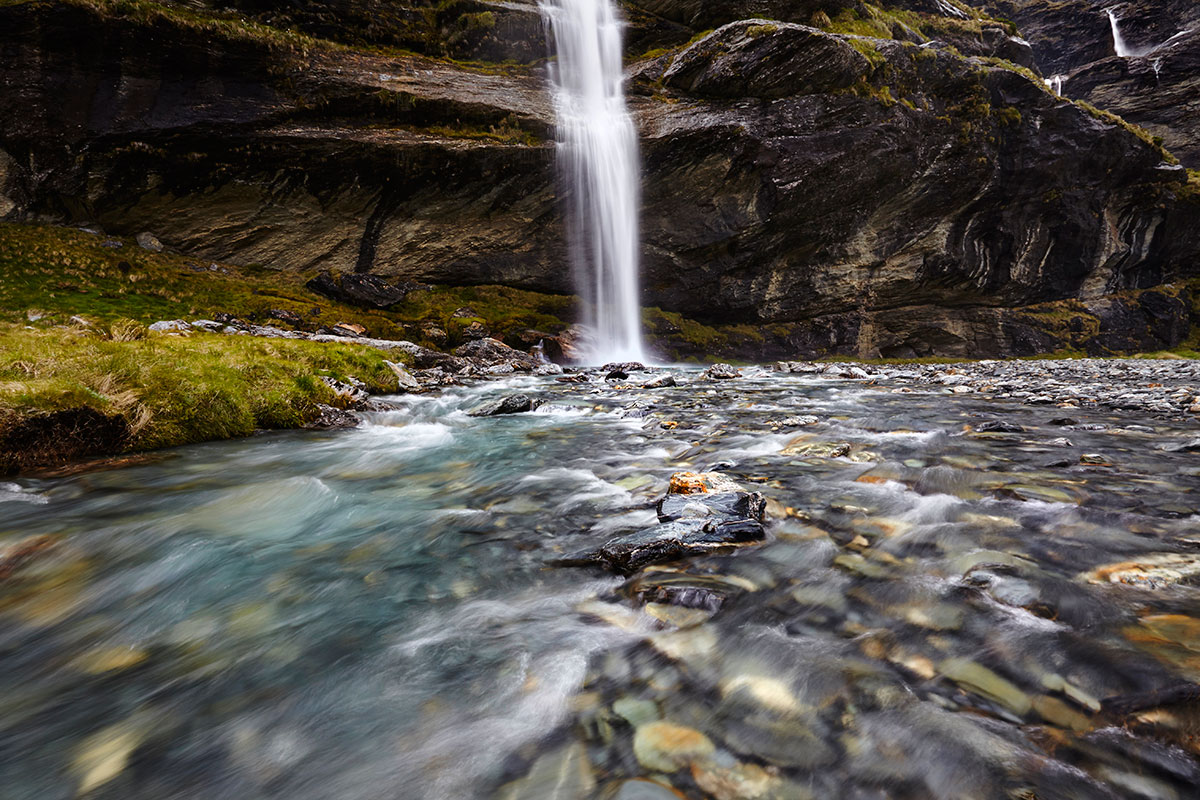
{"points": [[840, 193], [1156, 85]]}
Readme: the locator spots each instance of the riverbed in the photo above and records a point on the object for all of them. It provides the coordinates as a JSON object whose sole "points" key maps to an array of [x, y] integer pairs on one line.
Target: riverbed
{"points": [[954, 586]]}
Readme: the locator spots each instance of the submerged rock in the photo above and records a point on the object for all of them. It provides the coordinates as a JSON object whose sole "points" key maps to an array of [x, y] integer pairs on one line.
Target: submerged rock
{"points": [[667, 542], [725, 505], [1153, 571], [665, 746], [329, 418], [509, 404]]}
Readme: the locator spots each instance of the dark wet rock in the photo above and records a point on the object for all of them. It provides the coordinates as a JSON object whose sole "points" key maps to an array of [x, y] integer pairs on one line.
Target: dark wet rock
{"points": [[283, 315], [998, 426], [616, 375], [509, 404], [331, 418], [723, 505], [476, 330], [624, 366], [786, 740], [346, 395], [722, 372], [491, 352], [762, 58], [364, 291], [660, 381], [667, 542], [1191, 446]]}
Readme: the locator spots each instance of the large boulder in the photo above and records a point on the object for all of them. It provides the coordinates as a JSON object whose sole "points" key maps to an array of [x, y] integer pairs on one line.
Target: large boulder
{"points": [[761, 58], [364, 291]]}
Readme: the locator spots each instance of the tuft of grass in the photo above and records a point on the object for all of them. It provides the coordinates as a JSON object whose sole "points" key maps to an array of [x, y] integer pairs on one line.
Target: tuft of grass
{"points": [[165, 390]]}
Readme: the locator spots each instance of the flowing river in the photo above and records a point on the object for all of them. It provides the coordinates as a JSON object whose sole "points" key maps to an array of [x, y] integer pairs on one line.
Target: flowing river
{"points": [[369, 613]]}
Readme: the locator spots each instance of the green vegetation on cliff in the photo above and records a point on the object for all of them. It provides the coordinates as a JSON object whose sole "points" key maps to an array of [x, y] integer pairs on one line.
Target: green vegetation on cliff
{"points": [[54, 273]]}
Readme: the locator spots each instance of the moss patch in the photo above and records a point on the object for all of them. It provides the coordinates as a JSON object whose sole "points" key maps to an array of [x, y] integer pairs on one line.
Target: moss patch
{"points": [[69, 391]]}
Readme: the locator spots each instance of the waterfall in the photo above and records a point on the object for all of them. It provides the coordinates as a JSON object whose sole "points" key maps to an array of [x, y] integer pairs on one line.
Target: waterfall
{"points": [[597, 151], [1119, 45]]}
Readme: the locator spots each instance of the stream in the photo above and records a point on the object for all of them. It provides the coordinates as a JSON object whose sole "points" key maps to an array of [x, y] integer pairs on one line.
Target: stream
{"points": [[362, 614]]}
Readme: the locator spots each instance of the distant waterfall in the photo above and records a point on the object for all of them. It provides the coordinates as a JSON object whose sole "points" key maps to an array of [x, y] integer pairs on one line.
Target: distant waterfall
{"points": [[597, 148], [1119, 45]]}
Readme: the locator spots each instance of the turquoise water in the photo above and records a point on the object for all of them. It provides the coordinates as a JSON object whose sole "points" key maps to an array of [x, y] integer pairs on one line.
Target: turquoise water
{"points": [[368, 613]]}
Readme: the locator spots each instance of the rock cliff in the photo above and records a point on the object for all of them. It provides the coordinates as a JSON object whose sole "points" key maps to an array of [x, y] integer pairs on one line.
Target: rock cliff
{"points": [[830, 177]]}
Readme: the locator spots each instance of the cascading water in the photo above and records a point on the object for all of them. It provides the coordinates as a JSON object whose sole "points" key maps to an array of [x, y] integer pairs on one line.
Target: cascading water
{"points": [[598, 160], [1119, 46]]}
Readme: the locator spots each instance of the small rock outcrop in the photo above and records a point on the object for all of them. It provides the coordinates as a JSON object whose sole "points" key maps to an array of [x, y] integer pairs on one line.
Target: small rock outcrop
{"points": [[364, 291], [509, 404], [767, 59], [701, 512]]}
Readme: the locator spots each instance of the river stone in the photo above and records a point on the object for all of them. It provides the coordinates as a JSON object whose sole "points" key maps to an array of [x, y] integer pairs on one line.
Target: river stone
{"points": [[762, 58], [1152, 571], [722, 372], [635, 711], [623, 366], [666, 542], [787, 741], [660, 382], [640, 789], [563, 774], [727, 779], [665, 747], [404, 379], [509, 404], [978, 678], [700, 482], [770, 693], [998, 426], [724, 505]]}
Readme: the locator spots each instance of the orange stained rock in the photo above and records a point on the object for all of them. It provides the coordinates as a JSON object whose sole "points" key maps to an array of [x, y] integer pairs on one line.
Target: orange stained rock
{"points": [[687, 483]]}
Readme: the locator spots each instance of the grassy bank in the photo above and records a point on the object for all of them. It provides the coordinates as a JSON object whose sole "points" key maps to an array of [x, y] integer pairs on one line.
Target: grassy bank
{"points": [[54, 273], [73, 392]]}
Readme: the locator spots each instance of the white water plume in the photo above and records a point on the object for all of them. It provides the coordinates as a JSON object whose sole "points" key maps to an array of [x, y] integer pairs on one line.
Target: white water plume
{"points": [[1119, 46], [597, 148]]}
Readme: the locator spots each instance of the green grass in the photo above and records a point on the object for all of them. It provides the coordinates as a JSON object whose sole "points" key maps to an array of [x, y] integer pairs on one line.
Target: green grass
{"points": [[60, 272], [162, 390]]}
